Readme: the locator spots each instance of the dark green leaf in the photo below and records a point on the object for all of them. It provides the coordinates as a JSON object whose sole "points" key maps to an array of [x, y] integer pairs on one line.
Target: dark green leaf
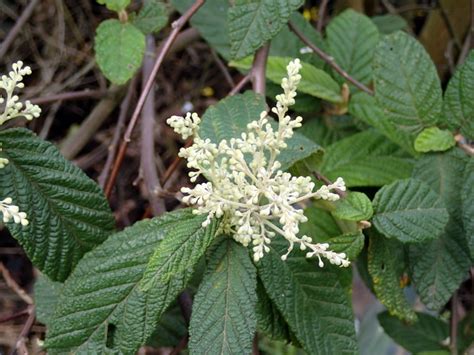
{"points": [[389, 23], [434, 139], [67, 211], [409, 211], [47, 293], [352, 38], [459, 99], [223, 319], [407, 86], [211, 22], [386, 264], [365, 159], [315, 82], [254, 22], [152, 17], [119, 50], [313, 301], [356, 206], [102, 308], [427, 334]]}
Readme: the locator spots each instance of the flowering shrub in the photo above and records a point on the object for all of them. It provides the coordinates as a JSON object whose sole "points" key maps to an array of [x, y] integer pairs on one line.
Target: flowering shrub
{"points": [[256, 247]]}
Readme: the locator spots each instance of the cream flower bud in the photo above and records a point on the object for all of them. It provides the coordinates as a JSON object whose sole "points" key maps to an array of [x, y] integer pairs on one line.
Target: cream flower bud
{"points": [[10, 212]]}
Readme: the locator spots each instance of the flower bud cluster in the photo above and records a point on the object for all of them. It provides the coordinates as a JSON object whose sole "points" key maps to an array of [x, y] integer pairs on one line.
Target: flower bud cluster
{"points": [[12, 107], [246, 186], [10, 211]]}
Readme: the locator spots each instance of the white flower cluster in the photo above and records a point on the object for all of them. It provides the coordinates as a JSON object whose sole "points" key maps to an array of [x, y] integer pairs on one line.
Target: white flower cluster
{"points": [[12, 107], [245, 185], [10, 211]]}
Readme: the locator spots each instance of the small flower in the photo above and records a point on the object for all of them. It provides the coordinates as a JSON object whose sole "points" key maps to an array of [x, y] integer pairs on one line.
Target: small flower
{"points": [[246, 187], [10, 211], [12, 107]]}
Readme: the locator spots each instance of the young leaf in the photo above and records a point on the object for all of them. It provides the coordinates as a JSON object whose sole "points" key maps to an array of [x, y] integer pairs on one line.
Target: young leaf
{"points": [[152, 17], [102, 308], [386, 264], [459, 100], [365, 108], [434, 139], [211, 22], [352, 38], [427, 334], [254, 22], [223, 317], [468, 205], [47, 293], [228, 119], [315, 82], [115, 5], [389, 23], [67, 211], [119, 50], [407, 86], [356, 206], [312, 300], [409, 211], [365, 159]]}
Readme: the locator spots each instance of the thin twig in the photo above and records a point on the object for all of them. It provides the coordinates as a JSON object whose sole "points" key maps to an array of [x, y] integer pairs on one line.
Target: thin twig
{"points": [[17, 27], [255, 350], [117, 133], [66, 96], [322, 13], [181, 345], [239, 85], [20, 347], [324, 179], [147, 156], [223, 68], [471, 28], [454, 324], [259, 70], [14, 316], [328, 59], [177, 25], [14, 286]]}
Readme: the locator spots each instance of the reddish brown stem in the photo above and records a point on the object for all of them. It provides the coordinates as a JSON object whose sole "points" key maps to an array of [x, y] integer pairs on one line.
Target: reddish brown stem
{"points": [[259, 69]]}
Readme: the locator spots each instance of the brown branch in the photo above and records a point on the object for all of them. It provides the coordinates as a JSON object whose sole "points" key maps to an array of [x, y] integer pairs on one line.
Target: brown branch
{"points": [[223, 68], [454, 324], [17, 27], [328, 59], [259, 69], [322, 13], [20, 347], [177, 26], [67, 96], [239, 85], [14, 286], [147, 156], [181, 345], [14, 316], [324, 179], [117, 133]]}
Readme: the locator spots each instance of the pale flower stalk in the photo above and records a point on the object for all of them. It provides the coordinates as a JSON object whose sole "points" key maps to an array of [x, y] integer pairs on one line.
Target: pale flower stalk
{"points": [[13, 108], [246, 186]]}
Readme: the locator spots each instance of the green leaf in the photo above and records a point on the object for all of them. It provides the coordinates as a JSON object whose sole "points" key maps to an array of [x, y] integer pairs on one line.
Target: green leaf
{"points": [[409, 211], [459, 99], [356, 206], [314, 81], [434, 139], [170, 329], [67, 211], [365, 159], [152, 17], [468, 205], [323, 228], [230, 116], [352, 38], [386, 264], [211, 22], [223, 317], [115, 5], [180, 251], [440, 266], [427, 334], [407, 86], [254, 22], [119, 50], [366, 108], [312, 300], [102, 308], [47, 293], [389, 23]]}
